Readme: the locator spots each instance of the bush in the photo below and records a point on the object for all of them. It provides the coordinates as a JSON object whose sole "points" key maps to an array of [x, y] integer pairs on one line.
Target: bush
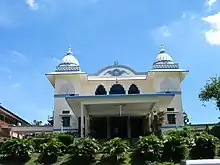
{"points": [[66, 139], [17, 149], [51, 151], [215, 131], [83, 151], [37, 143], [204, 146], [115, 151], [149, 148], [175, 147], [180, 133]]}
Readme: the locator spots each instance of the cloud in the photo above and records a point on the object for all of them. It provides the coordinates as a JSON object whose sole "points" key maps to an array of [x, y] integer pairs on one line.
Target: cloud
{"points": [[17, 55], [16, 85], [212, 35], [164, 31], [210, 3], [32, 4], [56, 60]]}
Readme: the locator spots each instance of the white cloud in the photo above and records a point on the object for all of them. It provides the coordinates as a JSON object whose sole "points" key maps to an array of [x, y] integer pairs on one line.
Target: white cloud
{"points": [[18, 57], [56, 60], [32, 4], [213, 34], [16, 85], [210, 3], [164, 31]]}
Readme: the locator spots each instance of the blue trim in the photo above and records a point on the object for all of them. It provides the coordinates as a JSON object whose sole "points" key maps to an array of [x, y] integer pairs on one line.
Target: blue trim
{"points": [[67, 129], [64, 95], [171, 93], [175, 92], [122, 95]]}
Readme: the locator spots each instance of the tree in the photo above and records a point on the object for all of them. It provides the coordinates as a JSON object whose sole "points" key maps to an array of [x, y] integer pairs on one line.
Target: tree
{"points": [[158, 121], [185, 118], [37, 123], [211, 91]]}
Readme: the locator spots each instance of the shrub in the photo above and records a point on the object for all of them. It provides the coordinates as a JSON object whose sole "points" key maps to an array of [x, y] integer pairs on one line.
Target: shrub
{"points": [[148, 148], [215, 131], [51, 151], [180, 133], [83, 151], [175, 147], [37, 143], [115, 151], [17, 149], [204, 146], [66, 139]]}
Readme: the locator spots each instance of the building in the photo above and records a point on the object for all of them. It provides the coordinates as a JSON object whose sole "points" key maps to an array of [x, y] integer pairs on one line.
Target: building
{"points": [[7, 119], [116, 99]]}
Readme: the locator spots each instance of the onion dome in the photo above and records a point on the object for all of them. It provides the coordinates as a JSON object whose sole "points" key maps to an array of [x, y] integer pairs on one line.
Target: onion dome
{"points": [[68, 63], [164, 60]]}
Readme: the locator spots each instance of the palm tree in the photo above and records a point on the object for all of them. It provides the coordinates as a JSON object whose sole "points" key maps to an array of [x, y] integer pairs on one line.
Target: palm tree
{"points": [[37, 123], [185, 118]]}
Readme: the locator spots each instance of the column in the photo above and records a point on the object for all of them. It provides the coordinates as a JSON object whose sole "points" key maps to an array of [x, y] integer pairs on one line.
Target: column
{"points": [[82, 121], [129, 127], [108, 128]]}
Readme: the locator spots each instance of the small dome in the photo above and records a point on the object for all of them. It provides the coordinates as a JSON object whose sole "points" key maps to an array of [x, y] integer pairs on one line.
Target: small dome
{"points": [[69, 59], [69, 63], [163, 57]]}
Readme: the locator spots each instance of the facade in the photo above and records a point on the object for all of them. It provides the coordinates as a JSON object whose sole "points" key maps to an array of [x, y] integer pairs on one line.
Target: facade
{"points": [[8, 118], [117, 100]]}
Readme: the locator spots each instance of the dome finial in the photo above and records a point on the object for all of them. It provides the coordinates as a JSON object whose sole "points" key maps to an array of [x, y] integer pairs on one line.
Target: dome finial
{"points": [[162, 50], [69, 50]]}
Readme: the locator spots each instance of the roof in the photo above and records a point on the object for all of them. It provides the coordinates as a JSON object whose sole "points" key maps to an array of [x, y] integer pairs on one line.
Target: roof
{"points": [[19, 118]]}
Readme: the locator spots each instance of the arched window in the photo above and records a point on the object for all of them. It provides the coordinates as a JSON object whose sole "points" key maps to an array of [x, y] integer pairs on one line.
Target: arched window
{"points": [[100, 90], [133, 89], [117, 89]]}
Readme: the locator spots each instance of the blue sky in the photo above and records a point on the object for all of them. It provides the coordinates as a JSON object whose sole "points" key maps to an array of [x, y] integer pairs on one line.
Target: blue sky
{"points": [[34, 35]]}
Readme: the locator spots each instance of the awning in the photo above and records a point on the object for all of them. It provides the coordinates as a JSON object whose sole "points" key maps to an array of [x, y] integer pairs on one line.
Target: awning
{"points": [[110, 104]]}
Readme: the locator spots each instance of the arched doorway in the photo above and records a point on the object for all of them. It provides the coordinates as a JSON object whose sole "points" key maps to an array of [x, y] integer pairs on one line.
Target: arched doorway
{"points": [[100, 90], [133, 89], [117, 89]]}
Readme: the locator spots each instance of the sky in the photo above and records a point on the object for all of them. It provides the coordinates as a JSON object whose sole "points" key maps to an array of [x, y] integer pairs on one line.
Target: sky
{"points": [[35, 34]]}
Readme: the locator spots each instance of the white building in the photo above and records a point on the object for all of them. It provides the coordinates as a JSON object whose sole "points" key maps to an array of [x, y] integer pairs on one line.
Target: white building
{"points": [[116, 99]]}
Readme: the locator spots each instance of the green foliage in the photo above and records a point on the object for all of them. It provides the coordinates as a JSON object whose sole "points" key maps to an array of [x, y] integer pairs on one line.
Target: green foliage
{"points": [[149, 148], [51, 151], [17, 149], [175, 147], [37, 143], [115, 151], [83, 151], [180, 133], [211, 91], [215, 131], [204, 146], [66, 139]]}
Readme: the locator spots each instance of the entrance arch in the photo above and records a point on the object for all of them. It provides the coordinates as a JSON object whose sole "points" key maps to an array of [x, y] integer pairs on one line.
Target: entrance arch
{"points": [[133, 89], [117, 89], [100, 90]]}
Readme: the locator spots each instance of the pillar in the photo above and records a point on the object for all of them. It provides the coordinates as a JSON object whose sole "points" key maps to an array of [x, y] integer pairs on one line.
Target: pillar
{"points": [[108, 128], [129, 127], [82, 121]]}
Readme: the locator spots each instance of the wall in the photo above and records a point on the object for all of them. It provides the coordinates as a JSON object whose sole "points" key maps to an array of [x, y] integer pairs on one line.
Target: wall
{"points": [[78, 84]]}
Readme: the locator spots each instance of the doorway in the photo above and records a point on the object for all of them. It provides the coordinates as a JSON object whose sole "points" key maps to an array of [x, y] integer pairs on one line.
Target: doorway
{"points": [[118, 127]]}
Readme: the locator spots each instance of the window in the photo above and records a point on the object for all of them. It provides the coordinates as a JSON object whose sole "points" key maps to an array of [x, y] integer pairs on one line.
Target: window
{"points": [[170, 109], [100, 90], [66, 121], [171, 118], [2, 118], [133, 89], [117, 89], [66, 112]]}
